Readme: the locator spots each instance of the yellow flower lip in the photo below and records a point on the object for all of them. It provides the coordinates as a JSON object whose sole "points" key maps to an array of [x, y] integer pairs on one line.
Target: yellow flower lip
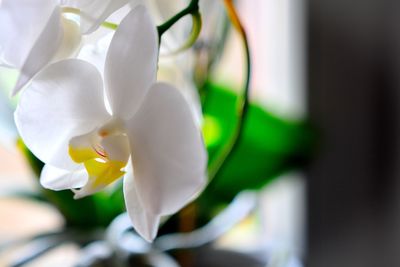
{"points": [[80, 155], [103, 167]]}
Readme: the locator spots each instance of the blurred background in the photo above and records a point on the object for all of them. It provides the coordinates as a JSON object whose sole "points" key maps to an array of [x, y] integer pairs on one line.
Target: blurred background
{"points": [[334, 64], [353, 94]]}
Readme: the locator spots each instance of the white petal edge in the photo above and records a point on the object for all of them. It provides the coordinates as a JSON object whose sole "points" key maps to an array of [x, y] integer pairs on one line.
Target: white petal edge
{"points": [[131, 63], [63, 101], [144, 222], [168, 154], [43, 50], [58, 179], [176, 71]]}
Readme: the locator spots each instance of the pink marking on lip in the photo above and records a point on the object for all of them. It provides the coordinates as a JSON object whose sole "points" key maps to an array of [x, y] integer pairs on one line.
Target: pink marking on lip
{"points": [[100, 151]]}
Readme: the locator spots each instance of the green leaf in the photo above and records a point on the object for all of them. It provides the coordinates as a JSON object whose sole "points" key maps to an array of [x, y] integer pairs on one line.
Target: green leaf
{"points": [[269, 147]]}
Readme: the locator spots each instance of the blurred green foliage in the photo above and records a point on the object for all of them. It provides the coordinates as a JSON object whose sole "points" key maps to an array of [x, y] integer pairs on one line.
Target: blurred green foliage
{"points": [[269, 146]]}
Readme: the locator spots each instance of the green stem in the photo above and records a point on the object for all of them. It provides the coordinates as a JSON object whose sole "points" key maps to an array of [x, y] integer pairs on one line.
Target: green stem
{"points": [[109, 25], [192, 38], [230, 147], [192, 8]]}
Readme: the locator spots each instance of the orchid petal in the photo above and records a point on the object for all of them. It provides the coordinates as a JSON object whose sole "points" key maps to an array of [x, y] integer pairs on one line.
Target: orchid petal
{"points": [[84, 147], [45, 44], [168, 154], [131, 63], [116, 147], [63, 101], [58, 179], [41, 53], [21, 22], [144, 222], [94, 12], [71, 41], [176, 71], [95, 53]]}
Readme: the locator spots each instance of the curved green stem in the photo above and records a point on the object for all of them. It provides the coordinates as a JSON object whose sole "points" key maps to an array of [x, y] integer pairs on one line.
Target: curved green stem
{"points": [[230, 147], [192, 38], [192, 8]]}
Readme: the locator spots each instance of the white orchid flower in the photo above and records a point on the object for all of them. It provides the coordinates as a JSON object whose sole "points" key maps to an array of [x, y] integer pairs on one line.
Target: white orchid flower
{"points": [[63, 119], [36, 33]]}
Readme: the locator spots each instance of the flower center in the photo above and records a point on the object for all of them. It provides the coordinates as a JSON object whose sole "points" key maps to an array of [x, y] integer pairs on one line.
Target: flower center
{"points": [[104, 153]]}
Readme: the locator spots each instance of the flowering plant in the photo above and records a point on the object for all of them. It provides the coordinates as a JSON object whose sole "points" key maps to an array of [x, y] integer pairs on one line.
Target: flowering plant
{"points": [[105, 136]]}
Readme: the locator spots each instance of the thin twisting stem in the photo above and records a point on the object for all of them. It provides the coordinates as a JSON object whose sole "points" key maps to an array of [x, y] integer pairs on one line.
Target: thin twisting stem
{"points": [[192, 8], [228, 150], [192, 38]]}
